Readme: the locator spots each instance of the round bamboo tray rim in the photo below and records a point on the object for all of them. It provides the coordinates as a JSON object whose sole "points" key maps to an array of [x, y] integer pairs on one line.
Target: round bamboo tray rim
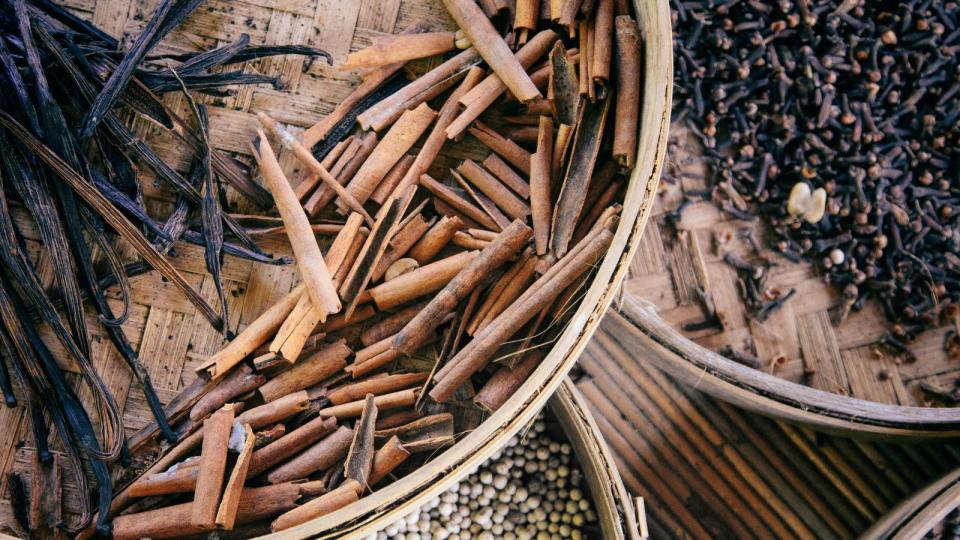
{"points": [[918, 514], [769, 394]]}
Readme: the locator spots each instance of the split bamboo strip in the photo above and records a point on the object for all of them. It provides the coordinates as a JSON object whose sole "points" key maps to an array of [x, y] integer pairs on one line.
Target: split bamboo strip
{"points": [[382, 114], [400, 138], [306, 157], [347, 493], [507, 175], [400, 49], [492, 48], [213, 464], [230, 503], [318, 366], [507, 245], [319, 457], [290, 444], [313, 270], [508, 150], [353, 409], [540, 182], [420, 282], [387, 458]]}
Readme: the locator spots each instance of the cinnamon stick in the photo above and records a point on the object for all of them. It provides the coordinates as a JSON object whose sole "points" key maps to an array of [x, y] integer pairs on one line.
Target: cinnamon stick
{"points": [[540, 181], [482, 201], [394, 145], [423, 434], [511, 291], [293, 334], [174, 521], [376, 386], [276, 410], [389, 325], [568, 13], [371, 81], [507, 175], [268, 436], [628, 92], [492, 188], [526, 15], [382, 114], [230, 503], [505, 381], [213, 464], [408, 235], [475, 355], [238, 382], [509, 150], [576, 183], [348, 260], [290, 444], [344, 170], [360, 457], [318, 366], [347, 493], [437, 137], [507, 245], [176, 480], [337, 254], [353, 409], [387, 458], [585, 33], [392, 179], [250, 338], [492, 48], [420, 282], [398, 418], [321, 456], [400, 49], [313, 270], [376, 242], [484, 94], [602, 47]]}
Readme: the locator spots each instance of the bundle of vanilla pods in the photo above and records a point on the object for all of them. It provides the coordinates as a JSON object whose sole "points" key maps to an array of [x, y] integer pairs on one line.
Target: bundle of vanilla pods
{"points": [[441, 290]]}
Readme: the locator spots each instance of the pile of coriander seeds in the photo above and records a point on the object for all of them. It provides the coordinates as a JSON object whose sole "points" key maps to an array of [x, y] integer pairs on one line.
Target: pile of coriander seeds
{"points": [[533, 488]]}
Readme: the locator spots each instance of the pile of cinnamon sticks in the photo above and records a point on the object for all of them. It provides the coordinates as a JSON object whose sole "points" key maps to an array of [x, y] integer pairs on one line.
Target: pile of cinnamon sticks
{"points": [[441, 289]]}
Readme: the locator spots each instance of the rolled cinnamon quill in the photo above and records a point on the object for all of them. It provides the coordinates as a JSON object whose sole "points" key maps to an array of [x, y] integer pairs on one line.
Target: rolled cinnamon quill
{"points": [[375, 385], [446, 194], [628, 92], [360, 457], [174, 521], [390, 325], [602, 47], [371, 81], [318, 366], [401, 48], [433, 241], [347, 493], [507, 175], [492, 188], [230, 503], [540, 181], [420, 282], [509, 150], [253, 336], [321, 456], [179, 480], [485, 38], [401, 137], [290, 444], [392, 179], [353, 409], [240, 381], [475, 355], [213, 464], [348, 165], [402, 241], [506, 246], [387, 458], [275, 411], [505, 381], [314, 271]]}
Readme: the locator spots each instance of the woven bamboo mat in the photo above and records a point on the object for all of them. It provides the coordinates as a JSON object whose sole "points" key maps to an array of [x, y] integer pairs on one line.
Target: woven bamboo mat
{"points": [[707, 469], [798, 342], [171, 338]]}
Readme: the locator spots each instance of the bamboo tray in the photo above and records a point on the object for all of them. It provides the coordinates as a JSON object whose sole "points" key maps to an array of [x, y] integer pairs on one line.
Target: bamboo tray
{"points": [[920, 514], [831, 377], [172, 340]]}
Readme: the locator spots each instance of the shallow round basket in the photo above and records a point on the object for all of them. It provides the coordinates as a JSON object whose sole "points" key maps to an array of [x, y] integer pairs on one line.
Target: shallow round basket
{"points": [[921, 513], [385, 505]]}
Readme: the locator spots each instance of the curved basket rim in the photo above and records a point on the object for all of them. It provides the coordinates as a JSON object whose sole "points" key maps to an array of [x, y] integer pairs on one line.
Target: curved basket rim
{"points": [[771, 395], [383, 506]]}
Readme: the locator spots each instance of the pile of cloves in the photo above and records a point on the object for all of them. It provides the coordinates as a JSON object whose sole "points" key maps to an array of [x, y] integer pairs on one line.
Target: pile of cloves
{"points": [[836, 121]]}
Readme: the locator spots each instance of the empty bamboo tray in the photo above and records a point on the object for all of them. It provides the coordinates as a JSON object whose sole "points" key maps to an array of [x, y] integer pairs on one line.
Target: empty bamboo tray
{"points": [[811, 371], [172, 339]]}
